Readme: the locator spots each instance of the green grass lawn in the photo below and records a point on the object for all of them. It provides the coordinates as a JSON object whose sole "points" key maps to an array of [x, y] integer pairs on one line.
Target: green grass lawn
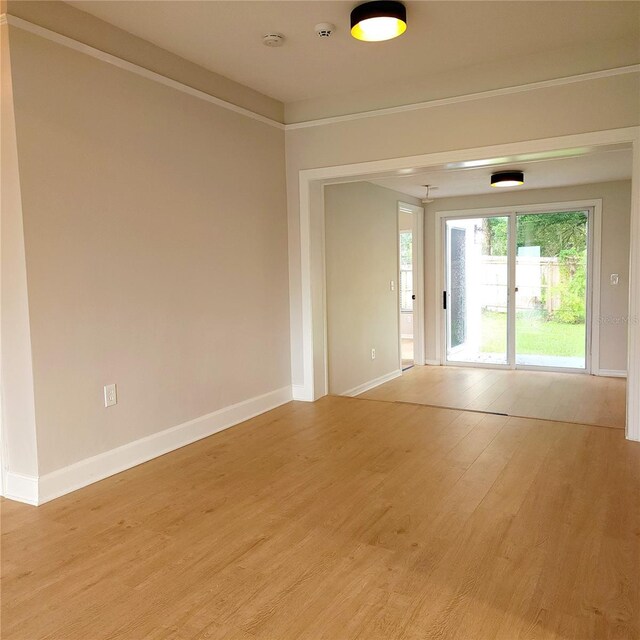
{"points": [[533, 336]]}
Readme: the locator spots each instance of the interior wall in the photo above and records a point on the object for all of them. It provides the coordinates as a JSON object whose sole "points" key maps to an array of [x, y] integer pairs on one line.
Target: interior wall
{"points": [[17, 416], [537, 67], [579, 107], [66, 20], [156, 251], [361, 245], [614, 300]]}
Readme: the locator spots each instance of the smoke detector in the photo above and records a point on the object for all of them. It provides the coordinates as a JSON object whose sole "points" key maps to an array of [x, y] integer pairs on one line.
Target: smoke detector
{"points": [[273, 40], [325, 29]]}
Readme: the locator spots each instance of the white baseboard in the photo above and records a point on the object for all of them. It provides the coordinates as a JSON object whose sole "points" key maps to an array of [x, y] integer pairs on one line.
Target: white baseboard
{"points": [[433, 363], [300, 392], [80, 474], [21, 488], [611, 373], [372, 383], [406, 336]]}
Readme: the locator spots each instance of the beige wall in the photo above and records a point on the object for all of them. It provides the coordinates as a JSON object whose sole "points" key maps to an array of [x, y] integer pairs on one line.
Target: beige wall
{"points": [[616, 210], [361, 222], [156, 251], [594, 105], [18, 445], [68, 21], [545, 65]]}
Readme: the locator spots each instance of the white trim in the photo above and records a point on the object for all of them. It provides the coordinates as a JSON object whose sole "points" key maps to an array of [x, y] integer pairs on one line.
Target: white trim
{"points": [[425, 160], [437, 312], [418, 288], [311, 274], [511, 296], [633, 344], [594, 277], [376, 382], [36, 491], [467, 97], [299, 392], [433, 363], [151, 75], [21, 488], [70, 43], [398, 292], [611, 373], [80, 474]]}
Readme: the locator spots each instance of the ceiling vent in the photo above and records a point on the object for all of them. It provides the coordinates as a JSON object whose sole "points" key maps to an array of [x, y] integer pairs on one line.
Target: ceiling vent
{"points": [[273, 40]]}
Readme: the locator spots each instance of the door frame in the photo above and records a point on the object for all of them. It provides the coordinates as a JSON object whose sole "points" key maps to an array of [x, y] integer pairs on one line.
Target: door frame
{"points": [[417, 240], [594, 248], [307, 280]]}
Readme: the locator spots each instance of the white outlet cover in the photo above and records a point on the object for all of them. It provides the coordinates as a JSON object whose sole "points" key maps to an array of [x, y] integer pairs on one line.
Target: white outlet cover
{"points": [[110, 395], [615, 278]]}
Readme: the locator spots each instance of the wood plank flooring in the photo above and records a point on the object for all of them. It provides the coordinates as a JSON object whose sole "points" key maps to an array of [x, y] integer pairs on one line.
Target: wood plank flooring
{"points": [[338, 520], [563, 397]]}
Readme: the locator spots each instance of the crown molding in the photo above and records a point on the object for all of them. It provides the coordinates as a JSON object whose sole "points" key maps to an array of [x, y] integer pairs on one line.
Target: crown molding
{"points": [[70, 43], [468, 97], [320, 122]]}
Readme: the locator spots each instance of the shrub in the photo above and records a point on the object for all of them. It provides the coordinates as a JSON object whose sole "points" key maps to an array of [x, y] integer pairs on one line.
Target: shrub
{"points": [[572, 288]]}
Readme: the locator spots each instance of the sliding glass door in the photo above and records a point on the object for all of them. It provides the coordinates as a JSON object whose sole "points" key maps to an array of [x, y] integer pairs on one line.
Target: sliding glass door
{"points": [[477, 290], [551, 294], [516, 289]]}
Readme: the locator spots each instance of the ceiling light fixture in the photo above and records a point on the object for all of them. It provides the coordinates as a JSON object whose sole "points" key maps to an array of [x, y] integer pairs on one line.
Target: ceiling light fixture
{"points": [[378, 20], [507, 179], [427, 199]]}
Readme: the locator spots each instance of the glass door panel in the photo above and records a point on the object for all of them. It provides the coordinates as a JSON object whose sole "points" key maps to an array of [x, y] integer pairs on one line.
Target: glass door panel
{"points": [[551, 294], [407, 296], [477, 274]]}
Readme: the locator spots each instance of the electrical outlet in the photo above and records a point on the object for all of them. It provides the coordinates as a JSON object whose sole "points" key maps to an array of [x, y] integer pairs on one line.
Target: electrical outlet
{"points": [[110, 395], [615, 279], [392, 285], [373, 354]]}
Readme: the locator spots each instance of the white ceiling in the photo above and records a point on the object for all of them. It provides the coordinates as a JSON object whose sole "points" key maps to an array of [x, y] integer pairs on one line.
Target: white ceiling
{"points": [[594, 167], [225, 37]]}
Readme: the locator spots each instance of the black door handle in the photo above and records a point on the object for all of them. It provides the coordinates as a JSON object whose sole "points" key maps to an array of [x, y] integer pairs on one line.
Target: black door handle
{"points": [[413, 297], [444, 299]]}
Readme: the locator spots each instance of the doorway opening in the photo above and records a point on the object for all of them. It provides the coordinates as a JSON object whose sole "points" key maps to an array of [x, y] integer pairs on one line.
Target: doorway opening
{"points": [[410, 285], [406, 285]]}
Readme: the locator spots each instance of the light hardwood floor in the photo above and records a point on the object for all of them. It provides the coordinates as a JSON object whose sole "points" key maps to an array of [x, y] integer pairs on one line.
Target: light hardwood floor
{"points": [[338, 520], [531, 394]]}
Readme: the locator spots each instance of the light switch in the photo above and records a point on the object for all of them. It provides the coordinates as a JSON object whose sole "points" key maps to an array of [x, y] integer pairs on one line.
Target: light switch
{"points": [[615, 279]]}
